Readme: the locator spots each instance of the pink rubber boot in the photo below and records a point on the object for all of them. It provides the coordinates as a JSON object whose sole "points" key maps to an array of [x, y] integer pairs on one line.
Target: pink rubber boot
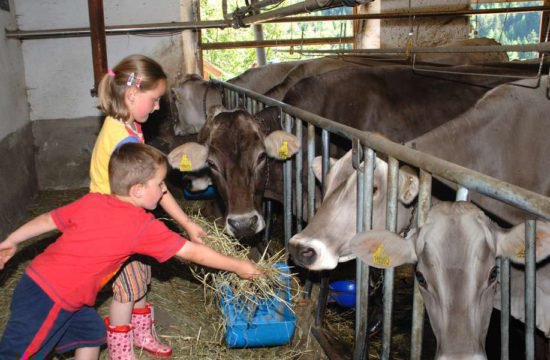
{"points": [[144, 333], [119, 341]]}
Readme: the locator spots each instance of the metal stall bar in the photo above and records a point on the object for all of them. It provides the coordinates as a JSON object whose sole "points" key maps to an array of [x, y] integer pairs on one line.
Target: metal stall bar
{"points": [[299, 159], [365, 180], [530, 314], [310, 188], [424, 204], [324, 285], [391, 225], [504, 264], [286, 124]]}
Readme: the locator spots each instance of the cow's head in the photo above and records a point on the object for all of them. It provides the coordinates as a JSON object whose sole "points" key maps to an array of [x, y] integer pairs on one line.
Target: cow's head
{"points": [[234, 149], [455, 254], [325, 240], [192, 99]]}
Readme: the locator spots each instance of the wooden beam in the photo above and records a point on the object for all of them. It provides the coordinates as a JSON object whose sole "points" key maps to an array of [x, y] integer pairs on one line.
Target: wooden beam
{"points": [[99, 46]]}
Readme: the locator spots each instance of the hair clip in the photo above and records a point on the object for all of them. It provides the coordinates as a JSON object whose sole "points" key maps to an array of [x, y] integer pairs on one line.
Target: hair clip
{"points": [[111, 73], [138, 81], [130, 79]]}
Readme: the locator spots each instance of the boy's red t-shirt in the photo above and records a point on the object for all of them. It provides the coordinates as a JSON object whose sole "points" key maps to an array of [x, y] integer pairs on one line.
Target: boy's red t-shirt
{"points": [[99, 232]]}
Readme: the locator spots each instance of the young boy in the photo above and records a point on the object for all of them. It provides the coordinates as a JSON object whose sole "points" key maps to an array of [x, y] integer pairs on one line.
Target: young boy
{"points": [[52, 306]]}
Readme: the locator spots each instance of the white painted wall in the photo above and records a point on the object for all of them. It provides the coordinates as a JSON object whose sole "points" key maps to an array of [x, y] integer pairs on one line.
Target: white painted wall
{"points": [[13, 99], [59, 72]]}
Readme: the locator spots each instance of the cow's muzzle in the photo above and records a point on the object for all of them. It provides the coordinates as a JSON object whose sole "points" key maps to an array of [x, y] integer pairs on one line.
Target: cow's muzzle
{"points": [[244, 225]]}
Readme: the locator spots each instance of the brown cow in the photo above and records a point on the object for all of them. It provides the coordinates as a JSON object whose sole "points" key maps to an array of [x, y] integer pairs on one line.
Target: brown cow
{"points": [[237, 151]]}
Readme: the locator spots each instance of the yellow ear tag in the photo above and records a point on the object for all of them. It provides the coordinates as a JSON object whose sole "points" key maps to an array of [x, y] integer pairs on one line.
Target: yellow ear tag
{"points": [[283, 150], [185, 164], [520, 252], [379, 258]]}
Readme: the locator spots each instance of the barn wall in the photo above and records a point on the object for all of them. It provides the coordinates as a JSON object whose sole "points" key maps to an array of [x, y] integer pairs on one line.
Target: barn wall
{"points": [[426, 31], [17, 172], [59, 77]]}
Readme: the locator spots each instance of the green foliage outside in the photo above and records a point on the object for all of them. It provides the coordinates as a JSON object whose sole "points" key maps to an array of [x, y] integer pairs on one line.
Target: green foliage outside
{"points": [[235, 61], [509, 29]]}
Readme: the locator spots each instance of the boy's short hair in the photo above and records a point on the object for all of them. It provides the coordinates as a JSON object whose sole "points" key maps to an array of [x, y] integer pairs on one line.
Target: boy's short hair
{"points": [[132, 164]]}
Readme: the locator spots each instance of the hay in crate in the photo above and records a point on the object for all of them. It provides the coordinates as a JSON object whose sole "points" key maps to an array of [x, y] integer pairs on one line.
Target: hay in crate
{"points": [[248, 293]]}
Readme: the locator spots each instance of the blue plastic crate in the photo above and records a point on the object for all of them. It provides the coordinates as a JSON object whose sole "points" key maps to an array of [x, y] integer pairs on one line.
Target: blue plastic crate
{"points": [[209, 193], [272, 323]]}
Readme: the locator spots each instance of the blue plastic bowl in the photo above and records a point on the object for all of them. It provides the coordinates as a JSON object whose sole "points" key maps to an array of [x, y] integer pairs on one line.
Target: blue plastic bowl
{"points": [[343, 292], [209, 193]]}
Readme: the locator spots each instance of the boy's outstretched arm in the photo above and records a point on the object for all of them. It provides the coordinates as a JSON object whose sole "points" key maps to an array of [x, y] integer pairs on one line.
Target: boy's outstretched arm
{"points": [[206, 256], [172, 208], [37, 226]]}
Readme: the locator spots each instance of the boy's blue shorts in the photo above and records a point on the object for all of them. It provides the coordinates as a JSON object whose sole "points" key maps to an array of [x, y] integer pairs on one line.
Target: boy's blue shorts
{"points": [[37, 326]]}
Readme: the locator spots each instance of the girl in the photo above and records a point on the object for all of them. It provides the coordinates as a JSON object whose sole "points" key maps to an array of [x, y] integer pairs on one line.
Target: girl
{"points": [[128, 93]]}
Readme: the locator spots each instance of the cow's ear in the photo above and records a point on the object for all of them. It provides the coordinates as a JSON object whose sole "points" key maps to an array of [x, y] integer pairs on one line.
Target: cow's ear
{"points": [[317, 166], [188, 157], [511, 243], [281, 145], [383, 249], [214, 110], [409, 185], [339, 172]]}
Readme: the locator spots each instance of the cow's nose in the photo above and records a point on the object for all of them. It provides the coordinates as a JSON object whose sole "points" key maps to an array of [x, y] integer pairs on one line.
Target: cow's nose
{"points": [[243, 223], [303, 255], [243, 226]]}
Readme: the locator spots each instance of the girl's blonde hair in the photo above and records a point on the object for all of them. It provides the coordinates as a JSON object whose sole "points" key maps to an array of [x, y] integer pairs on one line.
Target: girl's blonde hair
{"points": [[132, 164], [134, 70]]}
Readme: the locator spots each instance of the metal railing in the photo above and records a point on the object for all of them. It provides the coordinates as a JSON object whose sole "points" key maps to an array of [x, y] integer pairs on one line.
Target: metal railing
{"points": [[365, 146]]}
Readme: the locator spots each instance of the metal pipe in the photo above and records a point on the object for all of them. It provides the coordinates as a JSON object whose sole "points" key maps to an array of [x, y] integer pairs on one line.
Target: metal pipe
{"points": [[530, 311], [299, 159], [410, 14], [275, 43], [424, 204], [536, 204], [118, 30], [362, 271], [300, 8], [504, 308], [391, 225], [540, 47], [287, 183]]}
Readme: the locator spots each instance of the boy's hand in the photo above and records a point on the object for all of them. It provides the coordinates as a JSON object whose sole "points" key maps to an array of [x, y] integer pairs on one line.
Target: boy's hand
{"points": [[248, 270], [195, 232], [7, 250]]}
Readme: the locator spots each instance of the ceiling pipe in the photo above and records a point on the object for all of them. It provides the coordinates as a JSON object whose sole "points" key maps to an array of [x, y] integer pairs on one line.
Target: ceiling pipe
{"points": [[119, 30], [300, 8], [540, 47], [222, 24], [276, 43], [407, 14]]}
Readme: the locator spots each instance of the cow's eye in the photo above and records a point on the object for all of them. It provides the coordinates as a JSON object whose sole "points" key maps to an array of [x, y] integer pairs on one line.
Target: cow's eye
{"points": [[421, 279], [261, 158], [493, 275]]}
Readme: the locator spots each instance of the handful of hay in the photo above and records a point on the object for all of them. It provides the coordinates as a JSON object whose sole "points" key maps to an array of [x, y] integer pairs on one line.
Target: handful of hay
{"points": [[247, 293]]}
